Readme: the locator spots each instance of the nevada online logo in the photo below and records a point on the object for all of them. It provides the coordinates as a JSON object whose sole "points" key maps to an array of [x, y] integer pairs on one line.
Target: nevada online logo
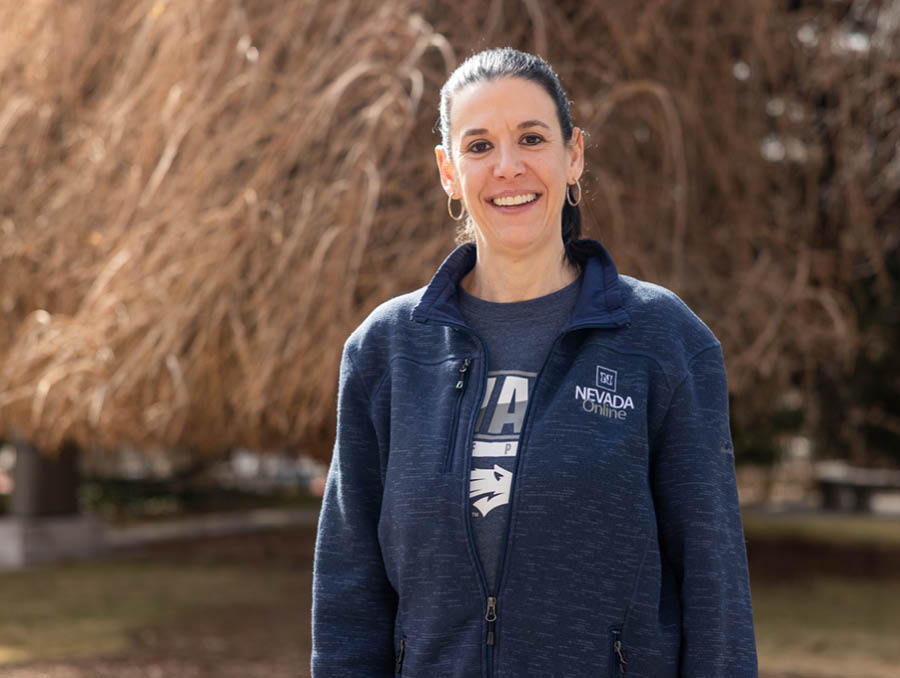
{"points": [[603, 399]]}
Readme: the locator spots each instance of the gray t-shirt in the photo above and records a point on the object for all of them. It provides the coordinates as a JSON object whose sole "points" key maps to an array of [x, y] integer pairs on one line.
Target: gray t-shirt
{"points": [[517, 336]]}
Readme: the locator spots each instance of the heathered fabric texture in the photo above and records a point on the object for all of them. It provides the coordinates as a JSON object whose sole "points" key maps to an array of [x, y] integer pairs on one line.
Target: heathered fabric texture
{"points": [[517, 337], [623, 529]]}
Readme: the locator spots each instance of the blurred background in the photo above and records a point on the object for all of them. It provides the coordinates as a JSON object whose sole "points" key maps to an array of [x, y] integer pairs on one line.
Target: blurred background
{"points": [[200, 200]]}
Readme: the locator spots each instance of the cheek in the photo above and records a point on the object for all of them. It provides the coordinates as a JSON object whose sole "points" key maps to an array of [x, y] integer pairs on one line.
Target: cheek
{"points": [[471, 181]]}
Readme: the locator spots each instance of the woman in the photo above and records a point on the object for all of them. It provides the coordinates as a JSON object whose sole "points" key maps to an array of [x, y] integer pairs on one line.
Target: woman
{"points": [[533, 472]]}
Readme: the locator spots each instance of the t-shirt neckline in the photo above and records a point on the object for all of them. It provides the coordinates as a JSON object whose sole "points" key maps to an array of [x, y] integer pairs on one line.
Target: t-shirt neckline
{"points": [[524, 309]]}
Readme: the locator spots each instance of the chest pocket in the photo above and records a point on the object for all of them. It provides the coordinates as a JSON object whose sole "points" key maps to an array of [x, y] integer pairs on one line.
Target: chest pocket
{"points": [[426, 402]]}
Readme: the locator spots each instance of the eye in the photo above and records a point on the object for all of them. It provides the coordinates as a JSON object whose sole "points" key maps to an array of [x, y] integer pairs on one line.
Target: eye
{"points": [[532, 139], [479, 147]]}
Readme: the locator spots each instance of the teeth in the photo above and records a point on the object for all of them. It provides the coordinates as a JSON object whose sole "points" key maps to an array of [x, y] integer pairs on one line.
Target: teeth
{"points": [[515, 199]]}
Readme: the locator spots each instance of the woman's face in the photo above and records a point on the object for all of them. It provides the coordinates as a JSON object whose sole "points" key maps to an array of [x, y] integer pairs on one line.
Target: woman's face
{"points": [[510, 164]]}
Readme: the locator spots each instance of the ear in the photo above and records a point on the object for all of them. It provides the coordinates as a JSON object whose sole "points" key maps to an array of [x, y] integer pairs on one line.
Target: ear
{"points": [[446, 170], [575, 151]]}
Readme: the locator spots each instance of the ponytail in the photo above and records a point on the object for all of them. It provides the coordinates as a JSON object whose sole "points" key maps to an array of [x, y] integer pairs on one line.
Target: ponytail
{"points": [[575, 252]]}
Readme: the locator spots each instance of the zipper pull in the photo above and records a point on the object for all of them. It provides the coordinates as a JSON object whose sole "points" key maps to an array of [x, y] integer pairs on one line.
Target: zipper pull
{"points": [[400, 653], [491, 617], [618, 648], [462, 373]]}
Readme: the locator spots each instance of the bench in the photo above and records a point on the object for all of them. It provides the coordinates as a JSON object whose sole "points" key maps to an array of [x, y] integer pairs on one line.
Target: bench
{"points": [[837, 479]]}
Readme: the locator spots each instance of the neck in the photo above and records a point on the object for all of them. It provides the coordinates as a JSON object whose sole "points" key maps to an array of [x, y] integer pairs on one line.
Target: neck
{"points": [[507, 277]]}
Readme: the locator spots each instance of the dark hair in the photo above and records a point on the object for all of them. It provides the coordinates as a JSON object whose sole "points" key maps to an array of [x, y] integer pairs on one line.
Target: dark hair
{"points": [[491, 64]]}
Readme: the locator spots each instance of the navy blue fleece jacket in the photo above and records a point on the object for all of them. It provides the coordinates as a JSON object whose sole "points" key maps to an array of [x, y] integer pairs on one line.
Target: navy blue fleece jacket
{"points": [[625, 552]]}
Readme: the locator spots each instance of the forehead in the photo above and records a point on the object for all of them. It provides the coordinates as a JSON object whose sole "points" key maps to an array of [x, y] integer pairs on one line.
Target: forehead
{"points": [[501, 104]]}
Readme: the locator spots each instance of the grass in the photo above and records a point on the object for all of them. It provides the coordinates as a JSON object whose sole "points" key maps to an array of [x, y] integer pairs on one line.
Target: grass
{"points": [[125, 501], [840, 528], [89, 609]]}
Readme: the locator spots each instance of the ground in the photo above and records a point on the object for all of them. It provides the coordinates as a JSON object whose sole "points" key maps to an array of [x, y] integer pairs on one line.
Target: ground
{"points": [[262, 630], [238, 607]]}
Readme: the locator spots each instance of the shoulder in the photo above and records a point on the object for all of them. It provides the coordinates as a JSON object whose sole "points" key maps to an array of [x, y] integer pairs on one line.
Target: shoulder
{"points": [[388, 319], [664, 321]]}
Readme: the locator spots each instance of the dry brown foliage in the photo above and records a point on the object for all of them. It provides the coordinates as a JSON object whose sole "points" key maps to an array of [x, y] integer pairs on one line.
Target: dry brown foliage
{"points": [[199, 200]]}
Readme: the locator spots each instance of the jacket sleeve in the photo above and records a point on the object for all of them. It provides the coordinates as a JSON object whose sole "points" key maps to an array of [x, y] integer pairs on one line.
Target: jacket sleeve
{"points": [[700, 528], [353, 603]]}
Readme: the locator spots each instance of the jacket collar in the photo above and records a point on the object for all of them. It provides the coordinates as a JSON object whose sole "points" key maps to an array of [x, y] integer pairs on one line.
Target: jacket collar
{"points": [[599, 302]]}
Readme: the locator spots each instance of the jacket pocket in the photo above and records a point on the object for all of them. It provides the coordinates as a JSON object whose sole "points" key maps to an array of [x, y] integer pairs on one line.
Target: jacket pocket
{"points": [[458, 388], [398, 657], [617, 661]]}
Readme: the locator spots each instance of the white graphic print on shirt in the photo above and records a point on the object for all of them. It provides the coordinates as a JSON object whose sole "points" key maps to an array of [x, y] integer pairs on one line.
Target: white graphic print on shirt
{"points": [[497, 434]]}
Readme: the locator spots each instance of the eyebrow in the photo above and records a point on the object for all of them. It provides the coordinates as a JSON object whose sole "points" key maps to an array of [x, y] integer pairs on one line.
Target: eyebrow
{"points": [[522, 125]]}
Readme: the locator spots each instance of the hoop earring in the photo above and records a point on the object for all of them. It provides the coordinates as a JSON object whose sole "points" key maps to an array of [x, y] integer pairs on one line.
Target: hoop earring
{"points": [[462, 211], [569, 199]]}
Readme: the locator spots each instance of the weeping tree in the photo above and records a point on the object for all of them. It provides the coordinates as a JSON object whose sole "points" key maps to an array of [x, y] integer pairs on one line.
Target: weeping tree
{"points": [[199, 202]]}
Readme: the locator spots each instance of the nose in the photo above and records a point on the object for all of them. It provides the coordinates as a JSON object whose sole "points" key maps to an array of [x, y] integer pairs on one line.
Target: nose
{"points": [[509, 162]]}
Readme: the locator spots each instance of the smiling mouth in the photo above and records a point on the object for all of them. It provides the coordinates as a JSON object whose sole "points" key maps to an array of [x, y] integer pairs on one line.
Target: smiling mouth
{"points": [[513, 200]]}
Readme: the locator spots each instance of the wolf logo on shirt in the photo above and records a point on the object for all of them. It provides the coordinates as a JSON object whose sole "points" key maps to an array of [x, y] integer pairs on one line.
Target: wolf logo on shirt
{"points": [[494, 484]]}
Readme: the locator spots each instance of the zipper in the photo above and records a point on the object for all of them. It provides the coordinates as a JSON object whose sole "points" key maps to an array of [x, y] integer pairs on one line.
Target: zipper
{"points": [[522, 439], [491, 617], [617, 659], [400, 653], [491, 612], [491, 599], [491, 605], [459, 388]]}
